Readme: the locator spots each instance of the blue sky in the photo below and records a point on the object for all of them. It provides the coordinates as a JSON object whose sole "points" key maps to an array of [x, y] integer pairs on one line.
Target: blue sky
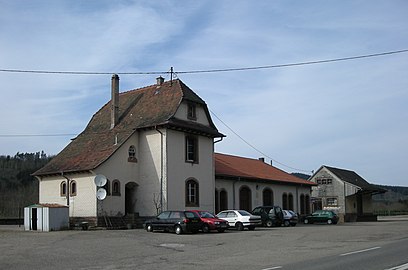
{"points": [[349, 114]]}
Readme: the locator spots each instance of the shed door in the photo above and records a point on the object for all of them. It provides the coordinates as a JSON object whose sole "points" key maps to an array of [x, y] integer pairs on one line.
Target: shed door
{"points": [[34, 219]]}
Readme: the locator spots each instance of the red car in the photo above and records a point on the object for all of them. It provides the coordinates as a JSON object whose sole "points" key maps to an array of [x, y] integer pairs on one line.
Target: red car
{"points": [[211, 222]]}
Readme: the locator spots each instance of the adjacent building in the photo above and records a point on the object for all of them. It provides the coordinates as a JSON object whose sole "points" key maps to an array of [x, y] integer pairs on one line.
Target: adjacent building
{"points": [[345, 192], [244, 183]]}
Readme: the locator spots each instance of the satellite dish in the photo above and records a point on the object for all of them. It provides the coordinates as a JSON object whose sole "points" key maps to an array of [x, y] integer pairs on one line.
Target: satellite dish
{"points": [[100, 180], [101, 194]]}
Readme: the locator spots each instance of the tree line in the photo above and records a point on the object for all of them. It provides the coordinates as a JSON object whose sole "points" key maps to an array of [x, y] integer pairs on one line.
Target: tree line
{"points": [[18, 188]]}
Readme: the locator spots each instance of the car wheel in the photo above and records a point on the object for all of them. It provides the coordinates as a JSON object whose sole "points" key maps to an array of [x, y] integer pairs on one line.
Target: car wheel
{"points": [[269, 223], [178, 229], [149, 228], [205, 228], [286, 223], [251, 228], [221, 230], [306, 221], [240, 226], [329, 221]]}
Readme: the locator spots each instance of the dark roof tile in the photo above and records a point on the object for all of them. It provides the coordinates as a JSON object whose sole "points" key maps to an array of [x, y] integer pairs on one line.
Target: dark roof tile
{"points": [[146, 107]]}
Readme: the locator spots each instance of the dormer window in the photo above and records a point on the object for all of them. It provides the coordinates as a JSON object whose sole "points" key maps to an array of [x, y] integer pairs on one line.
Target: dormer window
{"points": [[191, 111], [132, 154]]}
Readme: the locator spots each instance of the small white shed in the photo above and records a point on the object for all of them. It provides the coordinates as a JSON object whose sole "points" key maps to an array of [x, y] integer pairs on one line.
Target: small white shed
{"points": [[46, 217]]}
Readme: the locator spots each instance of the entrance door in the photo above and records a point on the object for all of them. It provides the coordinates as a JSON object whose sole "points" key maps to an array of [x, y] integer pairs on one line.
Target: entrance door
{"points": [[34, 219], [359, 204], [130, 197]]}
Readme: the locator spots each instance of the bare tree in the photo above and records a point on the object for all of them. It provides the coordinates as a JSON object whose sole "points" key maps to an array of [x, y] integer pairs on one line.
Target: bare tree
{"points": [[156, 202]]}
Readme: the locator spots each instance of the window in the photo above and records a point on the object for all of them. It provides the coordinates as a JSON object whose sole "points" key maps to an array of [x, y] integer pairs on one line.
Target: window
{"points": [[73, 188], [324, 181], [192, 192], [191, 149], [63, 189], [115, 188], [132, 154], [191, 112], [331, 201]]}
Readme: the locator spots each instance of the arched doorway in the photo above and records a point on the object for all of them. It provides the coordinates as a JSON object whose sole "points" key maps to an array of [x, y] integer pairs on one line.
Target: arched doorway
{"points": [[290, 199], [302, 204], [217, 202], [130, 197], [245, 198], [223, 200], [285, 201], [267, 197]]}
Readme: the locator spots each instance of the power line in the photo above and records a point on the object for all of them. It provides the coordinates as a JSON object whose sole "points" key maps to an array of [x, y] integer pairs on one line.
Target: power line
{"points": [[256, 149], [36, 135], [204, 71]]}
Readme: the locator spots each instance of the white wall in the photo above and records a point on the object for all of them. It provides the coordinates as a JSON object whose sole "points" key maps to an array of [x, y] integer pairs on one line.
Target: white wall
{"points": [[200, 113], [145, 173], [257, 188], [179, 171], [81, 205]]}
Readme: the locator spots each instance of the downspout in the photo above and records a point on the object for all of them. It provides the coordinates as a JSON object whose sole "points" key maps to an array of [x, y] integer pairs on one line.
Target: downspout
{"points": [[215, 206], [161, 168]]}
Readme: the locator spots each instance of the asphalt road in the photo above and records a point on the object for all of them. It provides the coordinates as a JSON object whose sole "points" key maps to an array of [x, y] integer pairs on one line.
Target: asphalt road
{"points": [[371, 245]]}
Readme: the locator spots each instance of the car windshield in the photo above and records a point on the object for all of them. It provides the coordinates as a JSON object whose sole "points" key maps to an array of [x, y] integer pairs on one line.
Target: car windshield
{"points": [[244, 213], [206, 215]]}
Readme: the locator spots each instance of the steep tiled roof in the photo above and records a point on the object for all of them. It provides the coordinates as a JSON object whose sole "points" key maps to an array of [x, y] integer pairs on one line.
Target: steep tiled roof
{"points": [[252, 169], [353, 178], [146, 107]]}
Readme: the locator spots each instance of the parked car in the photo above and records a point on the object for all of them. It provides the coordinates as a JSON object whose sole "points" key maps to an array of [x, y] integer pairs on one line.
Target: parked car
{"points": [[240, 219], [290, 218], [270, 215], [176, 221], [322, 216], [211, 222]]}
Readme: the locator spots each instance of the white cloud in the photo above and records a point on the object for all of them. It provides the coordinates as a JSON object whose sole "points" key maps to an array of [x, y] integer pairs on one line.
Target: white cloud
{"points": [[349, 114]]}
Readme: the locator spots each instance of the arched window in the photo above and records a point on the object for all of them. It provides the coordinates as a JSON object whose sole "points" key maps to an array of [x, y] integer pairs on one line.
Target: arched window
{"points": [[290, 202], [73, 188], [285, 201], [267, 197], [132, 154], [192, 192], [63, 189], [245, 198], [115, 188]]}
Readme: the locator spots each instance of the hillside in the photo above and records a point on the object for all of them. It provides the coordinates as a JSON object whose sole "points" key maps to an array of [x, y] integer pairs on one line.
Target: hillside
{"points": [[17, 187]]}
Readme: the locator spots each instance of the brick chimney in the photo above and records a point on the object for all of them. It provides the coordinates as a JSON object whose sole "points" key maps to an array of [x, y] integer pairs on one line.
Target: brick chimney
{"points": [[262, 159], [115, 101]]}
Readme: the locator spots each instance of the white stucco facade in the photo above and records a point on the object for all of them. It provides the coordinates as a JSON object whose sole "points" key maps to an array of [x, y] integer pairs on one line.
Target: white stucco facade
{"points": [[233, 187]]}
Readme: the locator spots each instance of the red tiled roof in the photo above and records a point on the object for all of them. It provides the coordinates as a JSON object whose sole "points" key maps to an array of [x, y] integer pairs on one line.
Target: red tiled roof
{"points": [[146, 107], [233, 166]]}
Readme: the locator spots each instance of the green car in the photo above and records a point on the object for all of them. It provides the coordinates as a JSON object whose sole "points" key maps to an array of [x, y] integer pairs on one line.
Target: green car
{"points": [[322, 216]]}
